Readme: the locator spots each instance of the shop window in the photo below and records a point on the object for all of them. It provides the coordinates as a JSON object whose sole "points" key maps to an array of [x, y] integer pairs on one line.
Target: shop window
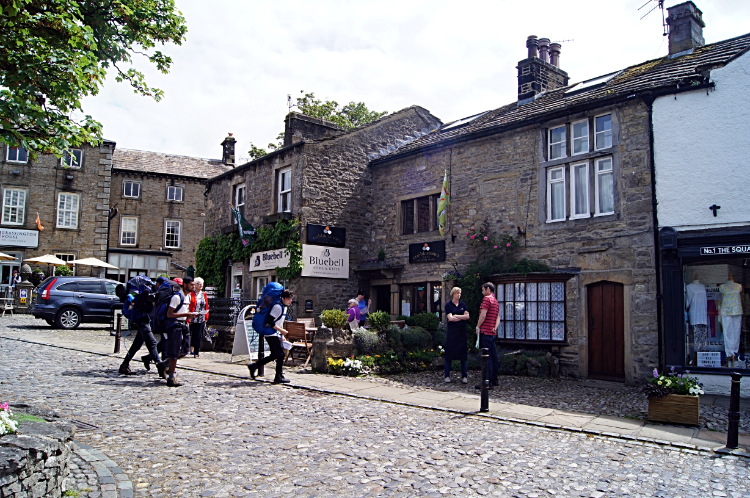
{"points": [[72, 159], [284, 188], [67, 210], [603, 132], [14, 205], [532, 311], [128, 230], [419, 214], [424, 297], [172, 233], [17, 155], [556, 143], [131, 189], [174, 193]]}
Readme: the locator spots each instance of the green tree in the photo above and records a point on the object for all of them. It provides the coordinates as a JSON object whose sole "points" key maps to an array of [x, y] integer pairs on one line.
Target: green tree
{"points": [[350, 116], [55, 52]]}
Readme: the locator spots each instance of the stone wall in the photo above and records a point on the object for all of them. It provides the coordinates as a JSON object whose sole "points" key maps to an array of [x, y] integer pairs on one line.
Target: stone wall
{"points": [[503, 178], [36, 462]]}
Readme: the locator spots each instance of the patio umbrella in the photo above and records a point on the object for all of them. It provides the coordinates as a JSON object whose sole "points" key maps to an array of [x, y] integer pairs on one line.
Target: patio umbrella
{"points": [[47, 259], [93, 262], [6, 257]]}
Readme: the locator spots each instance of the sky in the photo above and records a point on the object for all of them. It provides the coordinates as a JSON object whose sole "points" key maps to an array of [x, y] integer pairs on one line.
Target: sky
{"points": [[455, 58]]}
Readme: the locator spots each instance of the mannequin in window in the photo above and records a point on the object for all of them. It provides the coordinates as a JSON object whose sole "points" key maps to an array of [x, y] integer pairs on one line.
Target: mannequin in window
{"points": [[731, 317], [696, 302]]}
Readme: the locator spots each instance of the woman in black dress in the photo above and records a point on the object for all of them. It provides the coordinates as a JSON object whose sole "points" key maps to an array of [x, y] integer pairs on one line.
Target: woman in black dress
{"points": [[455, 340]]}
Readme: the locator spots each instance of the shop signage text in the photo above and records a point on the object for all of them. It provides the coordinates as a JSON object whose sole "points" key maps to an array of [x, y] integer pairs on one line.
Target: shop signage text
{"points": [[326, 235], [20, 238], [325, 262], [724, 250], [426, 252], [269, 260]]}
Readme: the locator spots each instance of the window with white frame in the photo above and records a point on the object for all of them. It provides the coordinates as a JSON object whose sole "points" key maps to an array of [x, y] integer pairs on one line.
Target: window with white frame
{"points": [[557, 142], [579, 190], [285, 190], [17, 155], [128, 230], [174, 193], [605, 192], [239, 200], [531, 311], [131, 189], [72, 159], [14, 205], [67, 210], [556, 194], [580, 132], [172, 233], [603, 132]]}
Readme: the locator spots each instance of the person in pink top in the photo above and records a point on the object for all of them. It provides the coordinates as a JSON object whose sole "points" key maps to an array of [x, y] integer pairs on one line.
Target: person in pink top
{"points": [[489, 320]]}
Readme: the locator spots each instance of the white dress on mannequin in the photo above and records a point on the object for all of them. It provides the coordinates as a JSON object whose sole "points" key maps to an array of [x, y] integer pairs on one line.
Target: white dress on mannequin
{"points": [[697, 303], [731, 316]]}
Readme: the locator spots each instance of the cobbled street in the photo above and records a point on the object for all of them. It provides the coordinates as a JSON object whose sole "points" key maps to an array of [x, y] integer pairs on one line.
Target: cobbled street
{"points": [[219, 436]]}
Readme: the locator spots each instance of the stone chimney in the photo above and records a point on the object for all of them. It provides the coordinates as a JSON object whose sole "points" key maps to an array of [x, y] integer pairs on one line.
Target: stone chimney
{"points": [[298, 127], [686, 25], [227, 146], [541, 70]]}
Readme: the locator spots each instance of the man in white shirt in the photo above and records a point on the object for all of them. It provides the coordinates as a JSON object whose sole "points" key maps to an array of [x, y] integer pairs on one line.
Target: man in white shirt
{"points": [[177, 329], [276, 318]]}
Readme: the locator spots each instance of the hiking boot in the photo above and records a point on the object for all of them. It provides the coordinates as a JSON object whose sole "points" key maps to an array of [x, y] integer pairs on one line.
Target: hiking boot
{"points": [[146, 362], [162, 369], [253, 370], [172, 382], [125, 370], [465, 380], [447, 380], [281, 381]]}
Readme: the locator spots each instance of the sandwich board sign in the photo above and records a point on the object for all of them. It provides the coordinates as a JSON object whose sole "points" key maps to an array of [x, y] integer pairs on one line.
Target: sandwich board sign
{"points": [[246, 341]]}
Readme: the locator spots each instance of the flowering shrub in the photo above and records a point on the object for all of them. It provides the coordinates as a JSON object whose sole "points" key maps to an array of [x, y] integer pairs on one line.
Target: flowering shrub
{"points": [[486, 241], [8, 422], [451, 275], [345, 366], [366, 340], [211, 333], [673, 383]]}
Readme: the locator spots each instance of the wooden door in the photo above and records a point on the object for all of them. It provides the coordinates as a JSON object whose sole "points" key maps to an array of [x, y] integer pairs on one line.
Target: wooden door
{"points": [[606, 325]]}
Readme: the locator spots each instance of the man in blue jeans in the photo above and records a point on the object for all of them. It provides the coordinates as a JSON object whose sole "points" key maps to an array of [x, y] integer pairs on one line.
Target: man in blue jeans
{"points": [[139, 285], [489, 320]]}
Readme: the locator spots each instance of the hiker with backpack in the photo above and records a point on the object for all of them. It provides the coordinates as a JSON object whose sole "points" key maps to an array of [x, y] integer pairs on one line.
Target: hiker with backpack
{"points": [[138, 302], [268, 322]]}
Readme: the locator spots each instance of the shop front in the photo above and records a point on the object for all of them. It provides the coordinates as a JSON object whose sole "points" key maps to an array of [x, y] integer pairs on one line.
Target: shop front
{"points": [[706, 300], [130, 263], [14, 242]]}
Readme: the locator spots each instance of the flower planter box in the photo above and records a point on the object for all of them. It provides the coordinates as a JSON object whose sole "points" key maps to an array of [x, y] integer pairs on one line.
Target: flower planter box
{"points": [[674, 409], [372, 265]]}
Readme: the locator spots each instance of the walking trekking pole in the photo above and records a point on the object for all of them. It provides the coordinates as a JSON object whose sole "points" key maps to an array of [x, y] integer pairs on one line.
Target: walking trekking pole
{"points": [[484, 404], [734, 412], [117, 333]]}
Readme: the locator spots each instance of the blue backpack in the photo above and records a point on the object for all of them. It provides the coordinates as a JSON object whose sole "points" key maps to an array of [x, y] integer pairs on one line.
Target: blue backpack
{"points": [[270, 297], [163, 296], [138, 300]]}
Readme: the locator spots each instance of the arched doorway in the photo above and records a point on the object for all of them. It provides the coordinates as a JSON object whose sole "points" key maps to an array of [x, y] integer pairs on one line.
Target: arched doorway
{"points": [[606, 328]]}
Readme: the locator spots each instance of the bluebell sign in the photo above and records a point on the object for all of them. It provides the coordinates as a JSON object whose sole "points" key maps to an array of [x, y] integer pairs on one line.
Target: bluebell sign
{"points": [[323, 235]]}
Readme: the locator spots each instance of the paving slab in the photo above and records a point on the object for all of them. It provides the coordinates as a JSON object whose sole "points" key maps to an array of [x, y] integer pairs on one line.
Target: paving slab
{"points": [[668, 433], [615, 424], [385, 392], [461, 403], [524, 412], [567, 419]]}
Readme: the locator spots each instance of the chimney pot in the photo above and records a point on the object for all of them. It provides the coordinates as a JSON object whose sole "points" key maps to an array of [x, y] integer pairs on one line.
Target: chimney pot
{"points": [[533, 45], [686, 25], [227, 153], [544, 49], [554, 54]]}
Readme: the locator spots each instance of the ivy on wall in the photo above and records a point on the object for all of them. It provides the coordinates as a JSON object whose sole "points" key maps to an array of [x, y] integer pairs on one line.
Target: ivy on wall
{"points": [[214, 252]]}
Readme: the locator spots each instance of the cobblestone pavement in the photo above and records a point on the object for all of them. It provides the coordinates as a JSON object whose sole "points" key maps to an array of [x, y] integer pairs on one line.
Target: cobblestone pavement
{"points": [[94, 475], [563, 394], [219, 436]]}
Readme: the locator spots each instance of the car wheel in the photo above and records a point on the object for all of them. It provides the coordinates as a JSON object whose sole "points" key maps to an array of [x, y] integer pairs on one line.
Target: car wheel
{"points": [[68, 318]]}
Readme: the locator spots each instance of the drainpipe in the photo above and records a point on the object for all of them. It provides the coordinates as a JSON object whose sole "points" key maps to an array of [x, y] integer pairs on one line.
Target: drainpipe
{"points": [[649, 100]]}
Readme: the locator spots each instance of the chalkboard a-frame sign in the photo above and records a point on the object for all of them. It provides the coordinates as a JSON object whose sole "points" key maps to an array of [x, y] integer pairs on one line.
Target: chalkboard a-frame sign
{"points": [[326, 235], [427, 252]]}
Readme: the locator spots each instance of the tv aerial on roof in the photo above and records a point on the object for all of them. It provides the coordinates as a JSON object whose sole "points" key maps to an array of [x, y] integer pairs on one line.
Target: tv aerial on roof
{"points": [[659, 4]]}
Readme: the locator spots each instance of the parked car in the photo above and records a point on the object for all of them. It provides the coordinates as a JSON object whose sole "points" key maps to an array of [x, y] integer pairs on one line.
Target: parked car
{"points": [[66, 302]]}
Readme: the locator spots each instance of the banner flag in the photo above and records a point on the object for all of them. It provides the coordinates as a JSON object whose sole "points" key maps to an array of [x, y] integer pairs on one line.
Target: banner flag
{"points": [[442, 207], [247, 232]]}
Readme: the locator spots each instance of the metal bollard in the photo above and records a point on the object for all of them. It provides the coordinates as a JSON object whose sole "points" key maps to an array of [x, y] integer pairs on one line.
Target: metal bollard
{"points": [[117, 333], [734, 412], [484, 404]]}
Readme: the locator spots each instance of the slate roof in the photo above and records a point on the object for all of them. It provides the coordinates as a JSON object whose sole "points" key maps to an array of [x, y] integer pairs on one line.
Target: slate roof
{"points": [[650, 76], [141, 161]]}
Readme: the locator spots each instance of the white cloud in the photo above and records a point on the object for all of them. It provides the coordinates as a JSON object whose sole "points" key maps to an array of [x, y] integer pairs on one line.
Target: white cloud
{"points": [[241, 59]]}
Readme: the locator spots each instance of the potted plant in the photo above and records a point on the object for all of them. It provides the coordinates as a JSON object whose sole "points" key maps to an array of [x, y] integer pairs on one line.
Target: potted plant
{"points": [[673, 398]]}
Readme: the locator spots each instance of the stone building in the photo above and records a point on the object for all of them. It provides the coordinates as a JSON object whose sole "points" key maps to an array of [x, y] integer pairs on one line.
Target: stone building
{"points": [[568, 170], [321, 177], [71, 197], [158, 211]]}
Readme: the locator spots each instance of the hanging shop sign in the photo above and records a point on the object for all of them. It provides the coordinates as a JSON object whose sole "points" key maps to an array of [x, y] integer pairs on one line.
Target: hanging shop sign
{"points": [[325, 262], [20, 238], [427, 252], [269, 260], [326, 235], [725, 250]]}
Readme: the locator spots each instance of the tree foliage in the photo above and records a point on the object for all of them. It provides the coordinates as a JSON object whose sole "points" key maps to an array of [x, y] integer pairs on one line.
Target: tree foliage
{"points": [[350, 116], [55, 52]]}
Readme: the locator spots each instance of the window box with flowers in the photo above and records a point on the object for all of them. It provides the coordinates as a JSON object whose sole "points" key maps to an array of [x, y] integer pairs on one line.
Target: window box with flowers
{"points": [[673, 398]]}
